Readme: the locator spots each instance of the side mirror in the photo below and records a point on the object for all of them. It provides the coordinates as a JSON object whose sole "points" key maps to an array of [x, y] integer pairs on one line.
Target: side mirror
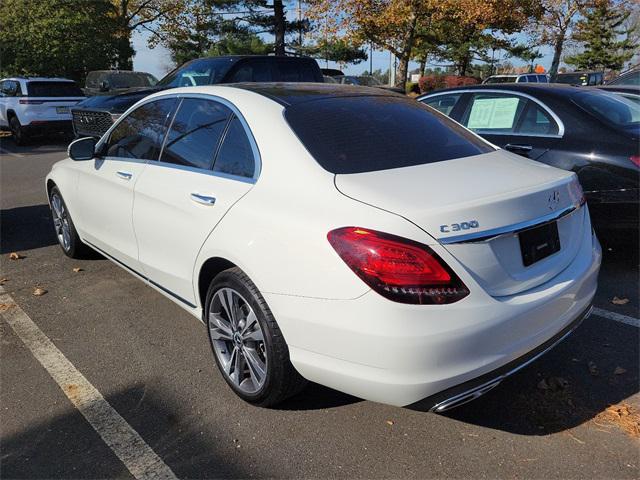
{"points": [[82, 149], [104, 86]]}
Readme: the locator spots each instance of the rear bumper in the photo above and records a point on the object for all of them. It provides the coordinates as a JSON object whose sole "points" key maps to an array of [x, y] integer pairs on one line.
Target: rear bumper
{"points": [[400, 354], [48, 126]]}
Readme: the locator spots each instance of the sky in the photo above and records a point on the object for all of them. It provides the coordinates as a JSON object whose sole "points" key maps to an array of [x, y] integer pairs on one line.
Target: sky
{"points": [[158, 62]]}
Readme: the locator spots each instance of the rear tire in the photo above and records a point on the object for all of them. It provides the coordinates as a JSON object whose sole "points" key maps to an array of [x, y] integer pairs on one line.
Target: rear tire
{"points": [[249, 348], [19, 134], [65, 230]]}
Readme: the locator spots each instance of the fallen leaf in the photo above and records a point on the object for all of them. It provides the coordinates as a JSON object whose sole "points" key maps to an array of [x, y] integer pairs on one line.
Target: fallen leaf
{"points": [[543, 385], [77, 269], [15, 256], [6, 306], [39, 291], [620, 301], [389, 422], [3, 280], [624, 416], [619, 371], [593, 369]]}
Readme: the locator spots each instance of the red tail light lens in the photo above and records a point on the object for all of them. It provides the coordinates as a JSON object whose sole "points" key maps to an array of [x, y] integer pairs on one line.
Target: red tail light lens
{"points": [[30, 102], [635, 159], [397, 268]]}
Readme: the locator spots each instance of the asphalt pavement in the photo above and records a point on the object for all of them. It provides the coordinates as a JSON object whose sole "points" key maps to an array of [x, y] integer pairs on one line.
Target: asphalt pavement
{"points": [[152, 363]]}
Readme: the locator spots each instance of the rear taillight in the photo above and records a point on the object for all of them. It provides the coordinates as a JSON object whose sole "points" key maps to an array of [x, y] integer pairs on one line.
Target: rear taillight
{"points": [[635, 159], [30, 102], [397, 268]]}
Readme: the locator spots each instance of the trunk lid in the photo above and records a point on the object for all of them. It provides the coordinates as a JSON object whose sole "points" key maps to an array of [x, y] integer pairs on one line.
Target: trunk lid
{"points": [[475, 206]]}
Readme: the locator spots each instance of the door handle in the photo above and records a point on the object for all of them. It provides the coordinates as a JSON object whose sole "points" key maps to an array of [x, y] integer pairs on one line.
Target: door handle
{"points": [[124, 175], [203, 199], [517, 148]]}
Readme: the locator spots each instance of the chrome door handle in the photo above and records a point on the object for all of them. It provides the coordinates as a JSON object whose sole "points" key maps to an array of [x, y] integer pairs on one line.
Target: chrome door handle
{"points": [[203, 199], [124, 175]]}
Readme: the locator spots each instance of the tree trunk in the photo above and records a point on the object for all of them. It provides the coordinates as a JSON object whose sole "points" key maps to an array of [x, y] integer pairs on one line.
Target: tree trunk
{"points": [[423, 65], [279, 26], [405, 56], [557, 52]]}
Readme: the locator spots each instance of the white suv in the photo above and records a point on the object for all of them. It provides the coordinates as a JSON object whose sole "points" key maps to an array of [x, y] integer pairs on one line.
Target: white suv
{"points": [[30, 105]]}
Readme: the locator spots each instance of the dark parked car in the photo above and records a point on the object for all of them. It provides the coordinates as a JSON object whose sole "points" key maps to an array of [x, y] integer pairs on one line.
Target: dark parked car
{"points": [[589, 131], [95, 115], [582, 79], [365, 81], [331, 72], [102, 82]]}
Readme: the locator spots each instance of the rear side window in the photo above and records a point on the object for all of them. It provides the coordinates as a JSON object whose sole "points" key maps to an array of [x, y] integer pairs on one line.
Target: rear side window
{"points": [[53, 89], [543, 79], [235, 156], [532, 78], [296, 71], [365, 134], [139, 135], [443, 103], [535, 121], [195, 133], [493, 112], [252, 71]]}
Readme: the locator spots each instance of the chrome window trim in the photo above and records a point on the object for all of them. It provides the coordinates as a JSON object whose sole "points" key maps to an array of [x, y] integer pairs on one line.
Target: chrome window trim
{"points": [[513, 229], [206, 171], [553, 115]]}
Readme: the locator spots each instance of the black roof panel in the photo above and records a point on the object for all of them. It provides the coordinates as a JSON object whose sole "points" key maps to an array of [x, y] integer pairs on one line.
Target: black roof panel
{"points": [[294, 93]]}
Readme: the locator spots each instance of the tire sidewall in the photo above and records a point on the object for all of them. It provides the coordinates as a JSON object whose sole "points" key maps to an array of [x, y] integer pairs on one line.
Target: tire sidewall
{"points": [[73, 235], [231, 280]]}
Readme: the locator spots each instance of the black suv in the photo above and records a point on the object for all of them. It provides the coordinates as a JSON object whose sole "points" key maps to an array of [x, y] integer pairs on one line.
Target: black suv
{"points": [[94, 116]]}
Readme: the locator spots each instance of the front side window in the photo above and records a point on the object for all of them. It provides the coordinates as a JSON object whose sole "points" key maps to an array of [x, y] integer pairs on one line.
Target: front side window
{"points": [[139, 135], [235, 156], [195, 133], [443, 103], [495, 113]]}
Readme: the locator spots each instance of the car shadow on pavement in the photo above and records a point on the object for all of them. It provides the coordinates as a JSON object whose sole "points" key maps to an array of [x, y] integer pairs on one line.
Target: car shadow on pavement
{"points": [[317, 397], [36, 146], [593, 369], [26, 228], [67, 446]]}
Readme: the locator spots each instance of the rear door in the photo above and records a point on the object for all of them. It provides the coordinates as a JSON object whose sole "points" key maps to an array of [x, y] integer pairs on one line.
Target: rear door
{"points": [[208, 162], [513, 122]]}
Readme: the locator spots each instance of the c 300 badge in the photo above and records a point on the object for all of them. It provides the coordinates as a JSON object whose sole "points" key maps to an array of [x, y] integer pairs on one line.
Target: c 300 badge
{"points": [[456, 227]]}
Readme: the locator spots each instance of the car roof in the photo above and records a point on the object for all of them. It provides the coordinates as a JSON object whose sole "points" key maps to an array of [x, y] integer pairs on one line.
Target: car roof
{"points": [[295, 93], [555, 89], [39, 79]]}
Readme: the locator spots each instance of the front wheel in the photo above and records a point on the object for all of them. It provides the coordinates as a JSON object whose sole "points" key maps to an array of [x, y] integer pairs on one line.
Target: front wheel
{"points": [[65, 230], [247, 343]]}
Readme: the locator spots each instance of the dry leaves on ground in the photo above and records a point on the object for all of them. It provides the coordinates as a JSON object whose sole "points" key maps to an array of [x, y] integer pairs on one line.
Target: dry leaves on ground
{"points": [[619, 371], [3, 280], [389, 422], [15, 256], [77, 269], [619, 300], [6, 306], [622, 415], [39, 291]]}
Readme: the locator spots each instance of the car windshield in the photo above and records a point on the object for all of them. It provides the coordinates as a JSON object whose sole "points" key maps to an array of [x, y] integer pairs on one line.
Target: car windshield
{"points": [[631, 78], [501, 79], [206, 71], [610, 108], [53, 89], [370, 133]]}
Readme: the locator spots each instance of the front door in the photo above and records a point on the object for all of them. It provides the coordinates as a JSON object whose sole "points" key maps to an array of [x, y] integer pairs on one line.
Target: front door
{"points": [[106, 184]]}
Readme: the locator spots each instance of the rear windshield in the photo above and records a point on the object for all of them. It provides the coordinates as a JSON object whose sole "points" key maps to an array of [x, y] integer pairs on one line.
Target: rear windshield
{"points": [[610, 108], [572, 78], [366, 134], [53, 89]]}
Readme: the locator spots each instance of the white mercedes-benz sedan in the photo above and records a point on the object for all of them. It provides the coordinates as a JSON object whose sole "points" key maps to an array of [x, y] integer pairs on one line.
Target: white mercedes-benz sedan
{"points": [[343, 235]]}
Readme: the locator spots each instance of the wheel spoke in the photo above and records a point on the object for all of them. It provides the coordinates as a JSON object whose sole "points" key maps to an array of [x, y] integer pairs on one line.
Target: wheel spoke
{"points": [[226, 301], [55, 203], [227, 365], [257, 368], [251, 322], [220, 329], [238, 369]]}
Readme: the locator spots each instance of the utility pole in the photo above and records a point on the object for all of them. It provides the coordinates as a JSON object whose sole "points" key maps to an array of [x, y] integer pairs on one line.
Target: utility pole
{"points": [[300, 26], [370, 58]]}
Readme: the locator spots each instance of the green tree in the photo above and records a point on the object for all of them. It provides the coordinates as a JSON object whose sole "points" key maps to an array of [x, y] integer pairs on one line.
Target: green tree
{"points": [[607, 44], [56, 37]]}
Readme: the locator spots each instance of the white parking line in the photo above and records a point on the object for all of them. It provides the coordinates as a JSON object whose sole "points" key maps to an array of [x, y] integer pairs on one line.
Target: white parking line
{"points": [[125, 442], [6, 152], [618, 317]]}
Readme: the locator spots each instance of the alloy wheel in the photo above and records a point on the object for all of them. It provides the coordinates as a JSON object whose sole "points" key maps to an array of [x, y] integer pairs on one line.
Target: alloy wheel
{"points": [[61, 221], [238, 340]]}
